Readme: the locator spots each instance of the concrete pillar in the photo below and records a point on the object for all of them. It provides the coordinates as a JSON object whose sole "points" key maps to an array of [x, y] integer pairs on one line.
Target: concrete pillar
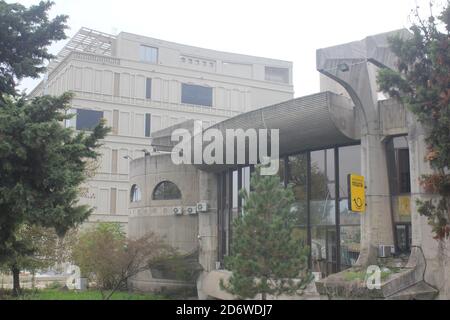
{"points": [[356, 76], [207, 228], [376, 222]]}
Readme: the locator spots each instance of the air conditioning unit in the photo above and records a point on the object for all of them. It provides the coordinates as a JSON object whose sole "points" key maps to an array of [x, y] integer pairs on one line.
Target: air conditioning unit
{"points": [[191, 210], [202, 207], [385, 251], [178, 211]]}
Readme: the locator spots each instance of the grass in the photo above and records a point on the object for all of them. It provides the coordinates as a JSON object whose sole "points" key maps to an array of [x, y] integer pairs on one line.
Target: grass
{"points": [[57, 294], [361, 275]]}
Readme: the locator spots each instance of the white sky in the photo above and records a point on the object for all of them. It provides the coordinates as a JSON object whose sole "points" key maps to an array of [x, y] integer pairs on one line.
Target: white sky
{"points": [[281, 29]]}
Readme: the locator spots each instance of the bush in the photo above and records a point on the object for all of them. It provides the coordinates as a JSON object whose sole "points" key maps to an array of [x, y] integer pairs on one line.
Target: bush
{"points": [[108, 258]]}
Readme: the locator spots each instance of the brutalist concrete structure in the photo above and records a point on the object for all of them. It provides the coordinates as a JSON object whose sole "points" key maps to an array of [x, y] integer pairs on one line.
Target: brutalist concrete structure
{"points": [[348, 128]]}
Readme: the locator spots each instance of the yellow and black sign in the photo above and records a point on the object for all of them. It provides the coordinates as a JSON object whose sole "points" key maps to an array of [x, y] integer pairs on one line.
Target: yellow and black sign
{"points": [[356, 193]]}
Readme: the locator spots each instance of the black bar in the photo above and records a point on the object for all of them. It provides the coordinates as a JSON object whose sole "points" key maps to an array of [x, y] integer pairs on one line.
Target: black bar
{"points": [[337, 209], [239, 190], [230, 208], [286, 171], [308, 207]]}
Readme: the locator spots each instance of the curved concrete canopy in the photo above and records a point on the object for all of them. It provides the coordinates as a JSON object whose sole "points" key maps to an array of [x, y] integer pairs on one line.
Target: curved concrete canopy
{"points": [[312, 122]]}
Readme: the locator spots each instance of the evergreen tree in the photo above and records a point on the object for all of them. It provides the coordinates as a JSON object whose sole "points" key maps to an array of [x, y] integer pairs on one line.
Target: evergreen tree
{"points": [[42, 165], [25, 34], [422, 83], [265, 257]]}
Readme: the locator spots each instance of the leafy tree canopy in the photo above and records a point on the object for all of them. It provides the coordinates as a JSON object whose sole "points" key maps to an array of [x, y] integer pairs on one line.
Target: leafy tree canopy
{"points": [[422, 82], [25, 34]]}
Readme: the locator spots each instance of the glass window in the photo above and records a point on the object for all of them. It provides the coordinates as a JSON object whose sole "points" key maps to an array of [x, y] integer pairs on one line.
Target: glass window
{"points": [[322, 204], [398, 165], [277, 74], [404, 178], [404, 237], [148, 124], [323, 250], [298, 166], [135, 194], [149, 54], [349, 162], [88, 119], [198, 95], [166, 190], [148, 88], [350, 245]]}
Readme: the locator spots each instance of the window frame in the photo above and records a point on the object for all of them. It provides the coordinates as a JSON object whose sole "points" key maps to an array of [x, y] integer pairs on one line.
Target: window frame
{"points": [[164, 196], [135, 194], [285, 78], [184, 96], [143, 54], [77, 118]]}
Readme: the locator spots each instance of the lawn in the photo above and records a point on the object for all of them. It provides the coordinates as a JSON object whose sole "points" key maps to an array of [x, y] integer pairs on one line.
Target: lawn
{"points": [[57, 294]]}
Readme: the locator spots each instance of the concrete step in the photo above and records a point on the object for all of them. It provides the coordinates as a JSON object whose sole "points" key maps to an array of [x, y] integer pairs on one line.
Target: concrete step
{"points": [[419, 291]]}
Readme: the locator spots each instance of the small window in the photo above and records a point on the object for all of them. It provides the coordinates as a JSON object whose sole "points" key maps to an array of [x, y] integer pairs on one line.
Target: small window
{"points": [[149, 54], [404, 177], [88, 119], [198, 95], [135, 194], [148, 124], [404, 237], [277, 74], [148, 88], [166, 190]]}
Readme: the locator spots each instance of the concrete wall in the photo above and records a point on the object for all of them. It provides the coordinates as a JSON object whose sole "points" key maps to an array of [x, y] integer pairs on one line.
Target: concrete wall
{"points": [[437, 253], [157, 216], [150, 215]]}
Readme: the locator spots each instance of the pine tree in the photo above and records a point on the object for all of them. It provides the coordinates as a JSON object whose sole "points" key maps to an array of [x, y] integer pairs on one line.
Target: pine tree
{"points": [[42, 165], [265, 257]]}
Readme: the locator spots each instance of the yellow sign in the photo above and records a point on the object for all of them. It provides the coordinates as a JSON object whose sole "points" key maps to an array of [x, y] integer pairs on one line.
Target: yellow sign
{"points": [[356, 193], [404, 206]]}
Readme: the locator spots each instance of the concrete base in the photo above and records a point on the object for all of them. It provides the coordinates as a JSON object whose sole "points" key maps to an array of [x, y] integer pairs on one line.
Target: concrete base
{"points": [[419, 291]]}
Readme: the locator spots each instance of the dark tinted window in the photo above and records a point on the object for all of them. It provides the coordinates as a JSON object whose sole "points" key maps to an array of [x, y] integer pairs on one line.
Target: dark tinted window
{"points": [[148, 123], [277, 74], [404, 177], [166, 190], [88, 119], [193, 94], [148, 88]]}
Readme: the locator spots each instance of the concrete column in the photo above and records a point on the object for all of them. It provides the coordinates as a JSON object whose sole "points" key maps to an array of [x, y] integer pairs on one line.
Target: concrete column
{"points": [[207, 228], [356, 76], [376, 222]]}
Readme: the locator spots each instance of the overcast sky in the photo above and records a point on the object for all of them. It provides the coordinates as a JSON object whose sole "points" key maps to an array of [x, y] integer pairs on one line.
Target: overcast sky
{"points": [[281, 29]]}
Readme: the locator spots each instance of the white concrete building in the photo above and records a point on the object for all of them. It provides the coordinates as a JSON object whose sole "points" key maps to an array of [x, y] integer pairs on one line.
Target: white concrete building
{"points": [[141, 85]]}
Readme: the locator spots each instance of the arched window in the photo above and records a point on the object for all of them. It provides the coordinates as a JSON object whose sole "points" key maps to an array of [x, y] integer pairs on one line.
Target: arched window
{"points": [[166, 190], [135, 194]]}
